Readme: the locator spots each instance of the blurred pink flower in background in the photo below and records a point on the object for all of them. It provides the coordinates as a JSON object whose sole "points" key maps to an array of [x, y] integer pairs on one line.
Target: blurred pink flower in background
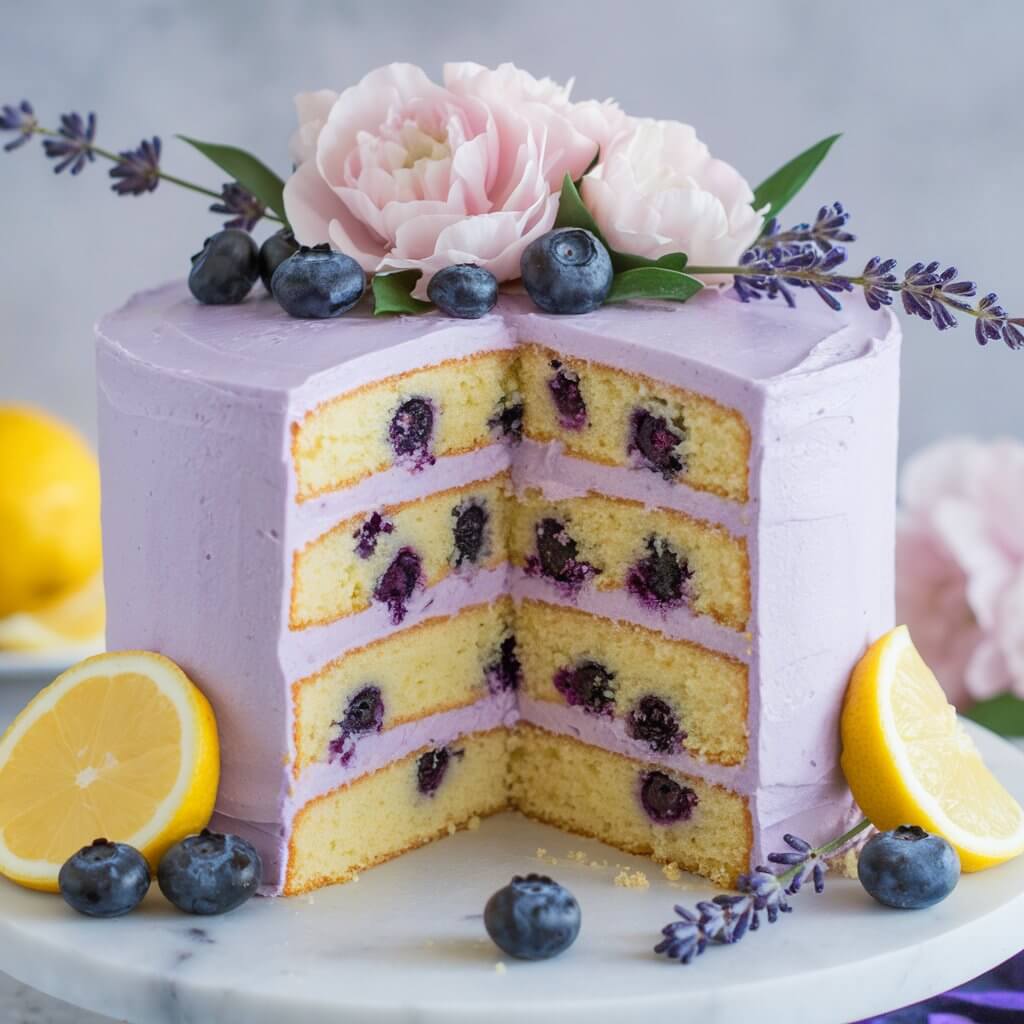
{"points": [[960, 565]]}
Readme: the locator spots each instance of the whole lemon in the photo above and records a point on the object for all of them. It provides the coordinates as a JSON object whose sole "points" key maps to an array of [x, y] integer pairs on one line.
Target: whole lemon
{"points": [[49, 509]]}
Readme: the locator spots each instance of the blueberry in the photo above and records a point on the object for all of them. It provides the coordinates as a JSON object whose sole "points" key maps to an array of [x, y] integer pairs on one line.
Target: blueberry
{"points": [[662, 579], [465, 291], [317, 284], [364, 713], [657, 443], [224, 272], [532, 918], [368, 533], [506, 671], [105, 879], [507, 421], [555, 547], [588, 685], [398, 582], [568, 398], [210, 873], [431, 769], [567, 271], [557, 559], [665, 800], [469, 532], [411, 432], [908, 868], [652, 722], [274, 251]]}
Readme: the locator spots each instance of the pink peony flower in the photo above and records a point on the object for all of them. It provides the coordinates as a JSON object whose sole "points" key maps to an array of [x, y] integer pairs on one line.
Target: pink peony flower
{"points": [[960, 565], [400, 172], [658, 190]]}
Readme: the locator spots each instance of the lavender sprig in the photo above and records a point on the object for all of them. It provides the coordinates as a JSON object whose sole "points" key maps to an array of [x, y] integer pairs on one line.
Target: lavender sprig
{"points": [[827, 231], [726, 918], [20, 119], [245, 209], [778, 264], [72, 145], [135, 171]]}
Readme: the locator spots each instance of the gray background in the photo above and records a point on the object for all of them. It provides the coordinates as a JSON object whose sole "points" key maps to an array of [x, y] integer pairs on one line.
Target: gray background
{"points": [[928, 94]]}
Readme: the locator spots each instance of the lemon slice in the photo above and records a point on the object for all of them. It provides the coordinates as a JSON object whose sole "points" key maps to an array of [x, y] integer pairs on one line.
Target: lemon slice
{"points": [[75, 619], [909, 761], [122, 746]]}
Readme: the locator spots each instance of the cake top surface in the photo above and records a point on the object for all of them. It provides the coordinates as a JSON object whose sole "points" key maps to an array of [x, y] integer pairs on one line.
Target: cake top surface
{"points": [[256, 346]]}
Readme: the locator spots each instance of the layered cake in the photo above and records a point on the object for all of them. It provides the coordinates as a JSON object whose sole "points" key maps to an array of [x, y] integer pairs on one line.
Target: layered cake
{"points": [[610, 570]]}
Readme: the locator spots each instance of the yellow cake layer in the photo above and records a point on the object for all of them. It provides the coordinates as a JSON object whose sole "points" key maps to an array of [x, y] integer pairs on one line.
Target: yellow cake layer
{"points": [[597, 793], [435, 666], [706, 691], [332, 580], [344, 440], [613, 534], [715, 449], [382, 815]]}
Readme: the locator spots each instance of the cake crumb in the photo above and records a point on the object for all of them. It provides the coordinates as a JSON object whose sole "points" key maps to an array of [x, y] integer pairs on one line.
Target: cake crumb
{"points": [[672, 871], [845, 864], [578, 856], [474, 823], [542, 855], [500, 968], [451, 829], [631, 880]]}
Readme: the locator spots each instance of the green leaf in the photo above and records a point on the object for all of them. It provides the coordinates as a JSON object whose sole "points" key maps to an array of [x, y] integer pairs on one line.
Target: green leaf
{"points": [[573, 214], [624, 261], [249, 172], [653, 283], [1004, 714], [777, 190], [392, 293]]}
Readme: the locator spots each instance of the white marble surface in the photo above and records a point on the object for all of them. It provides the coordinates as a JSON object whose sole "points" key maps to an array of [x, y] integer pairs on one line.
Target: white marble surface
{"points": [[406, 943]]}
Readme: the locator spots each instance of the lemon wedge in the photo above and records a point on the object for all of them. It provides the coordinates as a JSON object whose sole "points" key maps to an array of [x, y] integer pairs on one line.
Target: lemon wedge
{"points": [[73, 620], [121, 746], [909, 761]]}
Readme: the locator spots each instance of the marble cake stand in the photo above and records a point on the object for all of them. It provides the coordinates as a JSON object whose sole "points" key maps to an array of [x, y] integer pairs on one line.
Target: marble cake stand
{"points": [[406, 943]]}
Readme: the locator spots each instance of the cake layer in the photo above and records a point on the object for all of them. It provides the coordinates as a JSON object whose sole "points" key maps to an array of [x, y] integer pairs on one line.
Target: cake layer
{"points": [[440, 664], [408, 419], [619, 418], [387, 556], [631, 805], [669, 695], [408, 803], [664, 559]]}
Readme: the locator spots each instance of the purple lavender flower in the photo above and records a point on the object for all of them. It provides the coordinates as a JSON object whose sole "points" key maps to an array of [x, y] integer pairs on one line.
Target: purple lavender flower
{"points": [[828, 230], [726, 918], [137, 170], [879, 282], [74, 147], [773, 271], [808, 256], [20, 119], [241, 205], [993, 323], [929, 293]]}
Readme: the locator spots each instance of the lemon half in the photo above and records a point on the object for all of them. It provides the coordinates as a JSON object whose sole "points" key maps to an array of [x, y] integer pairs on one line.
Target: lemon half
{"points": [[909, 761], [123, 746]]}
